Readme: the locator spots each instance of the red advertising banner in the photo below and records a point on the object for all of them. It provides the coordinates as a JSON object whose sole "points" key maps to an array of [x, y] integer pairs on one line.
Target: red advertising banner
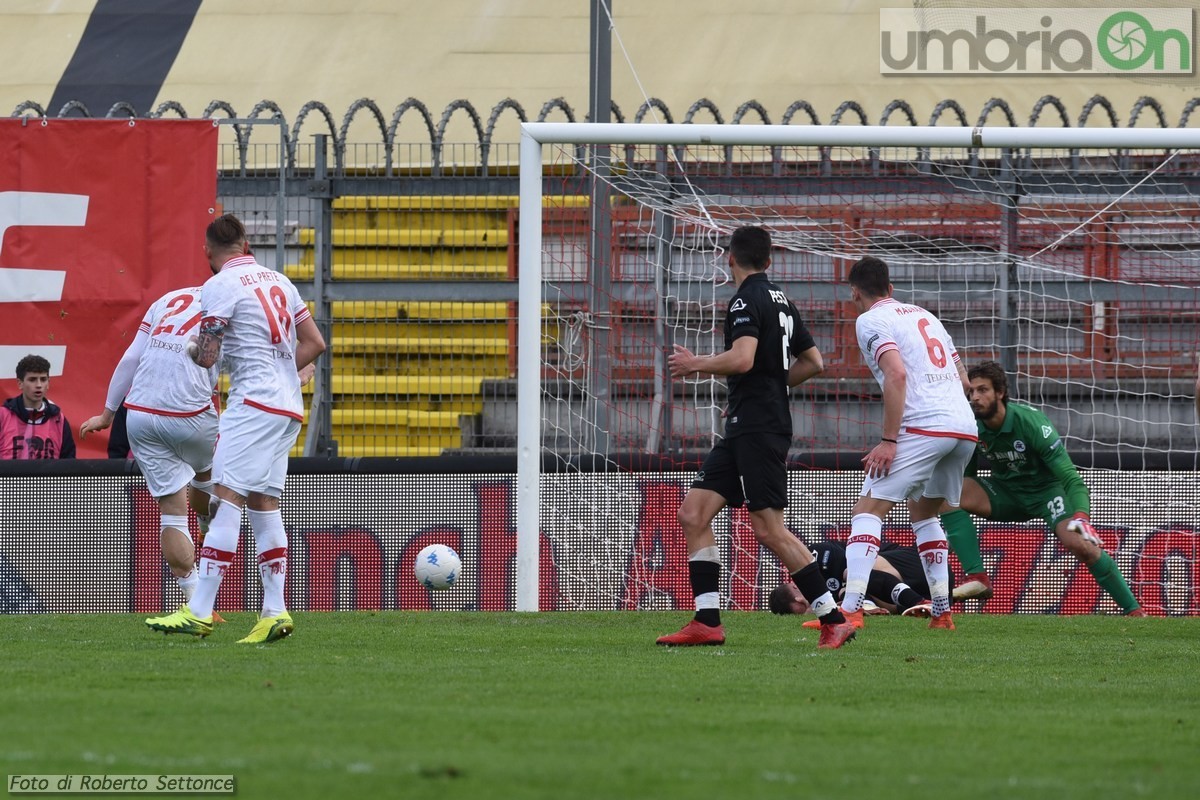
{"points": [[362, 564], [353, 538], [98, 218]]}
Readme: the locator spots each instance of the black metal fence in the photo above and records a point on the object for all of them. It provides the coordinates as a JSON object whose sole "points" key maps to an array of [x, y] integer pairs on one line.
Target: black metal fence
{"points": [[316, 117]]}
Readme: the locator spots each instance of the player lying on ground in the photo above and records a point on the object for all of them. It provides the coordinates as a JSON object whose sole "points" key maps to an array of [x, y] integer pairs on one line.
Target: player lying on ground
{"points": [[897, 584], [1032, 476]]}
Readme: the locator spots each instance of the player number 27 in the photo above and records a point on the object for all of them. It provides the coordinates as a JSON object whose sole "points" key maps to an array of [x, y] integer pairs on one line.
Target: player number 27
{"points": [[279, 318], [785, 324], [176, 306]]}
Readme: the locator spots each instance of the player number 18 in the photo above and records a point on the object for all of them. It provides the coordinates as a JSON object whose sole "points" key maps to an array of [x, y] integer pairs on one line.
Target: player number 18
{"points": [[279, 318]]}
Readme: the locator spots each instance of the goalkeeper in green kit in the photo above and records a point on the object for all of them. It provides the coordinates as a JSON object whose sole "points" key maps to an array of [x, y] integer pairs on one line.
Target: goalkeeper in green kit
{"points": [[1032, 476]]}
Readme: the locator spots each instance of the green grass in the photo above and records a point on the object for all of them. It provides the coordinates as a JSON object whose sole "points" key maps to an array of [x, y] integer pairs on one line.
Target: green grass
{"points": [[583, 705]]}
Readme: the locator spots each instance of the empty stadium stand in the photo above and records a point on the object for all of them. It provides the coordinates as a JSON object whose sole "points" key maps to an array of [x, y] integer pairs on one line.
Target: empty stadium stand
{"points": [[406, 373]]}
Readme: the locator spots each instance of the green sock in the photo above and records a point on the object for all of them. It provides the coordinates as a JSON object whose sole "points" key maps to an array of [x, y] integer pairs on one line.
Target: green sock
{"points": [[1112, 581], [964, 538]]}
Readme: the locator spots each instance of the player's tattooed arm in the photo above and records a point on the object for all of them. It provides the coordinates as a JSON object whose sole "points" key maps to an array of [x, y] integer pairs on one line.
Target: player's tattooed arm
{"points": [[205, 349]]}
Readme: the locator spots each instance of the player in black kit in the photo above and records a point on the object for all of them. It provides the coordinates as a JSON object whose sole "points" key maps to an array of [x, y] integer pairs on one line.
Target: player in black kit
{"points": [[897, 584], [767, 349]]}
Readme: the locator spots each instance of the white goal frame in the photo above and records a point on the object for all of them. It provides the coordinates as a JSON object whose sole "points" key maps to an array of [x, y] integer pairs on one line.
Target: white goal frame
{"points": [[529, 321]]}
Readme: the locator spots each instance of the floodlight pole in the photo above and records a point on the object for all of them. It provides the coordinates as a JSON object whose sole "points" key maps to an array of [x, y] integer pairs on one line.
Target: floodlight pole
{"points": [[1008, 277], [599, 377]]}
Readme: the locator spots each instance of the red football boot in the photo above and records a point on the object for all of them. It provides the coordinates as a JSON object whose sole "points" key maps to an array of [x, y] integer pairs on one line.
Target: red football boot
{"points": [[835, 635], [693, 634], [975, 587], [944, 622]]}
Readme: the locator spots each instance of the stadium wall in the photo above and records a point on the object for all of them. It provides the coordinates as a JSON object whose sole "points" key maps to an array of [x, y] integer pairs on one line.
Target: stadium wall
{"points": [[770, 52], [83, 538]]}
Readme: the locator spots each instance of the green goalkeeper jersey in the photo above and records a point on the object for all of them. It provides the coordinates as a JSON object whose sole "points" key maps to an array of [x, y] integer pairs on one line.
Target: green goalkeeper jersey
{"points": [[1026, 454]]}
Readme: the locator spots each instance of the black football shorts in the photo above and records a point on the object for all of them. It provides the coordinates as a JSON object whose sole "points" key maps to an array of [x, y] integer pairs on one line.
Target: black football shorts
{"points": [[750, 469]]}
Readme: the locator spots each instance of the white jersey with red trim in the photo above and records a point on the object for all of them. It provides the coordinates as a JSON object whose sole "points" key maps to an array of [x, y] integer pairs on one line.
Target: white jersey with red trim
{"points": [[934, 401], [262, 309], [166, 381]]}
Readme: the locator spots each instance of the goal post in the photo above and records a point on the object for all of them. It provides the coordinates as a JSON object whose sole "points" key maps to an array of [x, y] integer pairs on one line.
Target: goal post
{"points": [[1070, 255]]}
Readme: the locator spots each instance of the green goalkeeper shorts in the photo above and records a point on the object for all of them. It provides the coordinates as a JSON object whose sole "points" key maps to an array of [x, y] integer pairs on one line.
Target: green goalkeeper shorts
{"points": [[1022, 502]]}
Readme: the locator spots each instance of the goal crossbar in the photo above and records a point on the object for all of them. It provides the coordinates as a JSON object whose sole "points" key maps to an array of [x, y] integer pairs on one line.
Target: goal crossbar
{"points": [[857, 135]]}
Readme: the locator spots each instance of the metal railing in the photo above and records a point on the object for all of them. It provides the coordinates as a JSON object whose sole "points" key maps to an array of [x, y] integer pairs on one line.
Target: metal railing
{"points": [[489, 132]]}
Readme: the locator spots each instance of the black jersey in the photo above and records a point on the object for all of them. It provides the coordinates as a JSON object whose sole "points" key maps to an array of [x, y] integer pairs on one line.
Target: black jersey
{"points": [[907, 561], [758, 399], [831, 559]]}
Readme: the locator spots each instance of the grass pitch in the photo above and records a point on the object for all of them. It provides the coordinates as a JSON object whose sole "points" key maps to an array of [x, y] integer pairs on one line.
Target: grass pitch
{"points": [[584, 705]]}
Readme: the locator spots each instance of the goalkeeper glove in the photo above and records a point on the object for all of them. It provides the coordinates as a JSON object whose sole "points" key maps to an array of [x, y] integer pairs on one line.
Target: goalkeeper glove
{"points": [[1083, 526]]}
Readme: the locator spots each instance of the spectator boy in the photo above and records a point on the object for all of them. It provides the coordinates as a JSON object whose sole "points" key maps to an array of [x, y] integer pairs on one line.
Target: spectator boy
{"points": [[31, 427]]}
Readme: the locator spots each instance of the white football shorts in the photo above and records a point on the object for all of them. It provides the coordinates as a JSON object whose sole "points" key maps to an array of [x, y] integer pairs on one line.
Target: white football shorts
{"points": [[252, 451], [929, 466], [171, 450]]}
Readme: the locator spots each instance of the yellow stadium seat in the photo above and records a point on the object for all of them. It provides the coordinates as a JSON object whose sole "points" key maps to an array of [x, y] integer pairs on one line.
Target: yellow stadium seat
{"points": [[406, 374]]}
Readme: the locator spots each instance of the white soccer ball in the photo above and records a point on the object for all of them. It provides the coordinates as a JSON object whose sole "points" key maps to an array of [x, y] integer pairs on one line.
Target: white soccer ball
{"points": [[437, 567]]}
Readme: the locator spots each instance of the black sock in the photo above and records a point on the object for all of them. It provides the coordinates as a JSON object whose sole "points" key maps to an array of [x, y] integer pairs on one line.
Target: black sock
{"points": [[883, 586], [908, 598], [811, 584], [705, 577], [880, 583]]}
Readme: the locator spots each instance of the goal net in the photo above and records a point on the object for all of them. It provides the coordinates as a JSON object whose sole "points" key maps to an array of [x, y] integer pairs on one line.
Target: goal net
{"points": [[1072, 257]]}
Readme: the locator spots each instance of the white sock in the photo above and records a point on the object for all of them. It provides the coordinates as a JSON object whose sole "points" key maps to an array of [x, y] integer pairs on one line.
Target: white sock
{"points": [[270, 540], [188, 584], [825, 604], [179, 524], [861, 549], [220, 546], [935, 553]]}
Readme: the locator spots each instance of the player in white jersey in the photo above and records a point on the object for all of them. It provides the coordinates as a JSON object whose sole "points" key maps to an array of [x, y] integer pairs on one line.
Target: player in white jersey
{"points": [[256, 317], [928, 437], [172, 422]]}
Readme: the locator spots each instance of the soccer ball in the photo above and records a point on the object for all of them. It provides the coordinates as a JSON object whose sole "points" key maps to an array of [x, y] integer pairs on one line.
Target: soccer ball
{"points": [[437, 567]]}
